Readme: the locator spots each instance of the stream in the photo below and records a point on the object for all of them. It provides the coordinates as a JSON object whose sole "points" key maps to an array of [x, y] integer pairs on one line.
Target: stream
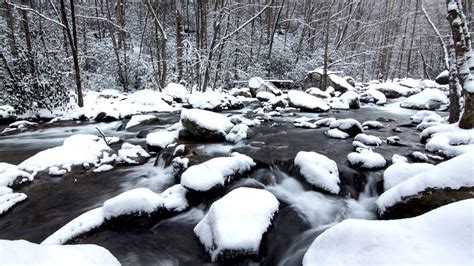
{"points": [[54, 201]]}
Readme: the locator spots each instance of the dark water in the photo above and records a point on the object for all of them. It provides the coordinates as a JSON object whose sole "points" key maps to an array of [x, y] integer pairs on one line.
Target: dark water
{"points": [[52, 202]]}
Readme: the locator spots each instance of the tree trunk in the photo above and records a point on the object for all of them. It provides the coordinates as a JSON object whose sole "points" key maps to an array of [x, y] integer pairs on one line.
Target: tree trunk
{"points": [[179, 43], [11, 30]]}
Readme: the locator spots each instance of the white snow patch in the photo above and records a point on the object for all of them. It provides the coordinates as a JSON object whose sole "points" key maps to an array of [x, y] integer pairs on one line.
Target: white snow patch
{"points": [[336, 133], [174, 198], [162, 138], [426, 99], [238, 133], [304, 100], [366, 159], [138, 119], [139, 200], [402, 171], [209, 120], [368, 139], [103, 168], [10, 199]]}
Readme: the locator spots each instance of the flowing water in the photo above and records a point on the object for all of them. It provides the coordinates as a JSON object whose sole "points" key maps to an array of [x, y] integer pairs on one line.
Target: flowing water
{"points": [[304, 213]]}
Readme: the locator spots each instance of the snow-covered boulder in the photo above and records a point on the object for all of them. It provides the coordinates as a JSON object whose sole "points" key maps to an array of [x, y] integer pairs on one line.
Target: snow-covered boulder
{"points": [[314, 77], [443, 78], [394, 141], [210, 100], [140, 120], [351, 98], [336, 133], [235, 224], [141, 201], [257, 84], [178, 92], [107, 114], [22, 252], [150, 98], [440, 237], [350, 126], [368, 139], [318, 93], [157, 141], [8, 199], [448, 140], [372, 125], [132, 155], [306, 102], [11, 176], [393, 90], [243, 92], [400, 172], [325, 122], [7, 114], [318, 170], [238, 133], [76, 150], [431, 99], [366, 159], [373, 96], [216, 173], [205, 124], [447, 182], [265, 96]]}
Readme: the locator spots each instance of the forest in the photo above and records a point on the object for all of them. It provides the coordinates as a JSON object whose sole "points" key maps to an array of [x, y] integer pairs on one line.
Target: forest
{"points": [[246, 132]]}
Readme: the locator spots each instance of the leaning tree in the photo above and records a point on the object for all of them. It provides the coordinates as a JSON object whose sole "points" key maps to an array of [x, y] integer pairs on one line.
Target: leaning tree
{"points": [[462, 61]]}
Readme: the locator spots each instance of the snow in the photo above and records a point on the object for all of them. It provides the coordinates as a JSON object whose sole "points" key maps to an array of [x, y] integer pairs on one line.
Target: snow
{"points": [[325, 122], [338, 103], [402, 171], [427, 99], [366, 159], [56, 171], [236, 222], [256, 82], [392, 88], [176, 91], [139, 200], [368, 139], [346, 124], [442, 236], [205, 100], [454, 174], [7, 111], [318, 93], [238, 133], [8, 199], [443, 74], [341, 81], [149, 98], [76, 150], [9, 173], [215, 172], [318, 170], [451, 141], [103, 168], [399, 159], [373, 95], [304, 122], [138, 119], [208, 120], [22, 124], [131, 154], [336, 134], [22, 252], [265, 96], [419, 156], [174, 198], [78, 226], [306, 101], [372, 125], [162, 138]]}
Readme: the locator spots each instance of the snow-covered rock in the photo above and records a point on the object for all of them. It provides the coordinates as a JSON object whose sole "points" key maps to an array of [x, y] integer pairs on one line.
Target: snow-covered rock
{"points": [[394, 140], [393, 90], [429, 189], [157, 141], [443, 78], [368, 139], [243, 92], [348, 125], [238, 133], [7, 112], [132, 154], [448, 140], [400, 172], [318, 170], [22, 252], [205, 124], [209, 100], [103, 168], [372, 125], [336, 133], [76, 150], [373, 96], [176, 91], [318, 93], [442, 236], [325, 122], [366, 159], [306, 102], [140, 120], [431, 99], [351, 98], [216, 172], [150, 98], [235, 224], [8, 199], [399, 159], [419, 156], [257, 84], [265, 96], [11, 176]]}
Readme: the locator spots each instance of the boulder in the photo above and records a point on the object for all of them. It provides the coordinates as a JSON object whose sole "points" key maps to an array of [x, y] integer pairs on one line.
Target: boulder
{"points": [[306, 102], [428, 99], [206, 125], [443, 78], [350, 126], [257, 84], [313, 79], [318, 170]]}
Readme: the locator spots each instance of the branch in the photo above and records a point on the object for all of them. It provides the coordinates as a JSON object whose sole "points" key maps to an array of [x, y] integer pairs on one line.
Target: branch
{"points": [[25, 8], [157, 21], [242, 26], [103, 19], [440, 38]]}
